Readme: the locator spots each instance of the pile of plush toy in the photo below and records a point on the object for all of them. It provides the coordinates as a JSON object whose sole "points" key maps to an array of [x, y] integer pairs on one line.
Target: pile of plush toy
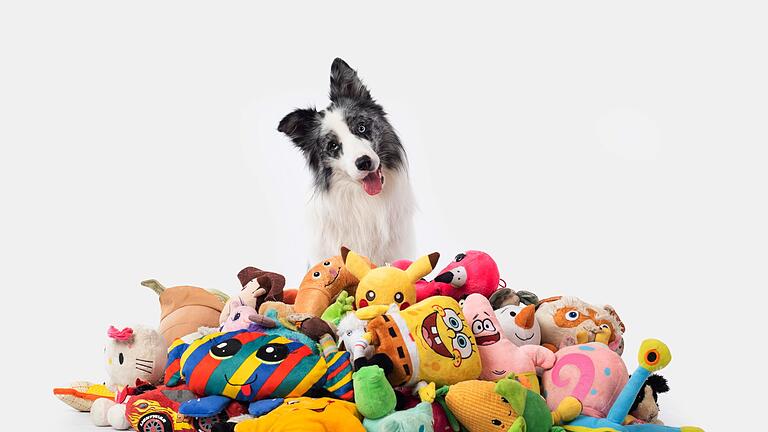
{"points": [[360, 347]]}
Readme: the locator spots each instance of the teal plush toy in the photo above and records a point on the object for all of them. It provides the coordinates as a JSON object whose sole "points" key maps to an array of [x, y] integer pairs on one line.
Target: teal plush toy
{"points": [[376, 401], [654, 355]]}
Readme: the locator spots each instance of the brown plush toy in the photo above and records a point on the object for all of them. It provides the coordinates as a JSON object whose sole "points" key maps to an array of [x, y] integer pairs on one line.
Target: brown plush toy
{"points": [[259, 286], [184, 309], [322, 284]]}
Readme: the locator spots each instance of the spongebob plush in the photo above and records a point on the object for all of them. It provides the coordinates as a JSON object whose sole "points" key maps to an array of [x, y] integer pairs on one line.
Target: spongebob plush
{"points": [[386, 285], [427, 344]]}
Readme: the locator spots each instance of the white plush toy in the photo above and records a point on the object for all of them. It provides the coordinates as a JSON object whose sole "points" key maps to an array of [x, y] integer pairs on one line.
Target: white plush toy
{"points": [[350, 332], [519, 324], [133, 353]]}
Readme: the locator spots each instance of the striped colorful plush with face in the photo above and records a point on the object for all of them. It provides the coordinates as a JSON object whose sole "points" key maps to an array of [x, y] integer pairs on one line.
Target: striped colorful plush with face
{"points": [[248, 366]]}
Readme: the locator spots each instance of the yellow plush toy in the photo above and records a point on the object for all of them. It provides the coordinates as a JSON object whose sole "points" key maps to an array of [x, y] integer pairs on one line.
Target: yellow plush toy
{"points": [[387, 285], [305, 414], [428, 343]]}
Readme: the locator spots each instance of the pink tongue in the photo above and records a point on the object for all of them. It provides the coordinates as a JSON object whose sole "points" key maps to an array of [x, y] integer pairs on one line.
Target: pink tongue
{"points": [[372, 183], [246, 389]]}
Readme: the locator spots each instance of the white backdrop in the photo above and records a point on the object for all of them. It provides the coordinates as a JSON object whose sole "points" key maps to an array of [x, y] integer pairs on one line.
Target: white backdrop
{"points": [[614, 151]]}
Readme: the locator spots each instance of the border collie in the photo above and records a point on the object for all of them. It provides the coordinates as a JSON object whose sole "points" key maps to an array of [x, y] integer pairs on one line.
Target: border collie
{"points": [[362, 197]]}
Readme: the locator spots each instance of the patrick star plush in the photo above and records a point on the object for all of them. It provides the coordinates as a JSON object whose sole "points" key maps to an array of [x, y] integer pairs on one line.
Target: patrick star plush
{"points": [[499, 356]]}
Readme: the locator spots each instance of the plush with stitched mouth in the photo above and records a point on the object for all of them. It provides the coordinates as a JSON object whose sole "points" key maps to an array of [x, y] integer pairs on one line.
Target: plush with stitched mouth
{"points": [[499, 355], [248, 366], [519, 324], [322, 284], [429, 341]]}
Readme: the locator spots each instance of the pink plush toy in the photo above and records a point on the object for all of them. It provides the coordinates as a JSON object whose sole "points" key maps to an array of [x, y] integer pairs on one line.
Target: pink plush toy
{"points": [[592, 373], [499, 356], [242, 316], [470, 272]]}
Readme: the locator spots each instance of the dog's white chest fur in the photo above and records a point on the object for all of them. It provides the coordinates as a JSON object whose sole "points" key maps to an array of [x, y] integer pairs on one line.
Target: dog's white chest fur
{"points": [[379, 227]]}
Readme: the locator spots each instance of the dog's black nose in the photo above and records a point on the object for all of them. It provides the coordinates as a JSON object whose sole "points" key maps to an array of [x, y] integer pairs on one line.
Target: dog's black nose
{"points": [[364, 163], [446, 277]]}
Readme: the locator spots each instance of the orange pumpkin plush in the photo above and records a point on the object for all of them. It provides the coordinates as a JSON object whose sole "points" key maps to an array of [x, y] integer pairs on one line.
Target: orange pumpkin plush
{"points": [[322, 284]]}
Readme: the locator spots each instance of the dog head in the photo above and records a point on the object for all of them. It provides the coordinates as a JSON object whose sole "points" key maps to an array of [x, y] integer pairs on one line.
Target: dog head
{"points": [[349, 141]]}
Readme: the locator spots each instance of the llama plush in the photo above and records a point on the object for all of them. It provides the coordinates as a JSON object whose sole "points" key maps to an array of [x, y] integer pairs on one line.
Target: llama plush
{"points": [[498, 355]]}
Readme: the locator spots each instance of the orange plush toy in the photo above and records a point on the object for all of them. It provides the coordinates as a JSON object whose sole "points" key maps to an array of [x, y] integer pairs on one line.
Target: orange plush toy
{"points": [[322, 284]]}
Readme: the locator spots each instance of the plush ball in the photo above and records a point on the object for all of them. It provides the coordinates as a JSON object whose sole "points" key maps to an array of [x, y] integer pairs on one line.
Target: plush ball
{"points": [[592, 373]]}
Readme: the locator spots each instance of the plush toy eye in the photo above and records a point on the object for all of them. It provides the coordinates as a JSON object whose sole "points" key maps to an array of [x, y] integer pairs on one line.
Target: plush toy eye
{"points": [[316, 275], [327, 263], [605, 327], [236, 317], [477, 327], [512, 313], [370, 295], [121, 358], [272, 353], [572, 315], [292, 403], [399, 297], [460, 257], [361, 128], [496, 422], [488, 325], [452, 320], [462, 345], [226, 349]]}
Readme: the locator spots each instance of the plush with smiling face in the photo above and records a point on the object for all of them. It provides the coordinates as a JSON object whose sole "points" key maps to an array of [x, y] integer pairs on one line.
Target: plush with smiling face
{"points": [[569, 320], [519, 324], [484, 406], [387, 285], [499, 356], [429, 341], [248, 366], [322, 283], [304, 414]]}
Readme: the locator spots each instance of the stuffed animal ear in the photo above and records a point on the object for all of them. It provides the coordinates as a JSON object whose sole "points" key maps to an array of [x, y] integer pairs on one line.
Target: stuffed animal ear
{"points": [[355, 263], [422, 266]]}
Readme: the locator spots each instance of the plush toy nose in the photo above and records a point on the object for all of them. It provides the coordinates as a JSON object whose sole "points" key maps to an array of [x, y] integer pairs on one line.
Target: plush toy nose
{"points": [[446, 277], [364, 163], [526, 317]]}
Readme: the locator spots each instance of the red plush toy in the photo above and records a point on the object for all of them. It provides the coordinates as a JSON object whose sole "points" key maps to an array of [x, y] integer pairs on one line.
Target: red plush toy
{"points": [[470, 272]]}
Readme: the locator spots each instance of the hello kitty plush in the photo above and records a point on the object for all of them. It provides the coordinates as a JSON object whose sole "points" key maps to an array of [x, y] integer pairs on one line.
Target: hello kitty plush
{"points": [[133, 353]]}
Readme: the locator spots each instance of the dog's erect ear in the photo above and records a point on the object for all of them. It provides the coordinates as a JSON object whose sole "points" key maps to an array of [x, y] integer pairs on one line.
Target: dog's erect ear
{"points": [[346, 84], [298, 124]]}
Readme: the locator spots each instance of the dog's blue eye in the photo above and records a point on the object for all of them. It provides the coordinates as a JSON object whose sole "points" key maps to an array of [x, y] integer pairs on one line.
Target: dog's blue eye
{"points": [[361, 128]]}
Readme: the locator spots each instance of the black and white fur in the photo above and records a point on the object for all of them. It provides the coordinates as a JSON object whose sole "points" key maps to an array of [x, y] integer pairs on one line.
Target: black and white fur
{"points": [[646, 405], [349, 141]]}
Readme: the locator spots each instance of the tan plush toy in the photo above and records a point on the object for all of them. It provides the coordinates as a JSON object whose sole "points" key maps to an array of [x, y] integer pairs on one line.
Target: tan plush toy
{"points": [[568, 321], [322, 284], [387, 285], [184, 309]]}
